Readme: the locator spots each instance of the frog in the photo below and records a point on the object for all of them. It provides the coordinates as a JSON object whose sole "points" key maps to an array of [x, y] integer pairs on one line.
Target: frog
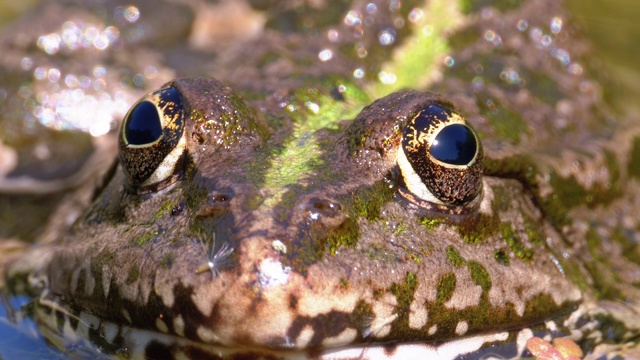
{"points": [[235, 224]]}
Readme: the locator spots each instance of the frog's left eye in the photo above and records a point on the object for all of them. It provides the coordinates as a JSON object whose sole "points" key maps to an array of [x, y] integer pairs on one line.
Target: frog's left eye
{"points": [[441, 157], [151, 140]]}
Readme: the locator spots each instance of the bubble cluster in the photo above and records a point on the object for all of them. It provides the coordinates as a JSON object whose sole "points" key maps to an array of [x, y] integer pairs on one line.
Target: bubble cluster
{"points": [[88, 100], [75, 35], [492, 37], [359, 22], [74, 101], [543, 40]]}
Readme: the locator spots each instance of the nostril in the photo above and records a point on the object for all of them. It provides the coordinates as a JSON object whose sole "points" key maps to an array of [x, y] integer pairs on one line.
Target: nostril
{"points": [[216, 204], [324, 211], [324, 205], [219, 197], [177, 209]]}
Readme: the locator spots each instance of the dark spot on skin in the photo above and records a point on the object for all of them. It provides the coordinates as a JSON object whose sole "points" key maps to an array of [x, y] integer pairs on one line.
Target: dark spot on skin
{"points": [[501, 257], [157, 350], [197, 353], [293, 302], [324, 326], [177, 210], [197, 138], [74, 321]]}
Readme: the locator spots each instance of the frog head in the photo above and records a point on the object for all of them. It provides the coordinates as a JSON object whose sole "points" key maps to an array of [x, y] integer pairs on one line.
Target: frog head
{"points": [[387, 231]]}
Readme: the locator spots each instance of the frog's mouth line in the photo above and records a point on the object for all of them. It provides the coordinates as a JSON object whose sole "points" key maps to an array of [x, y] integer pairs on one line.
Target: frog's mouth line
{"points": [[64, 330]]}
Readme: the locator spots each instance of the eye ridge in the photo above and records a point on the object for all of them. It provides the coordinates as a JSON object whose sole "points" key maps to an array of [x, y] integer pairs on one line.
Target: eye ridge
{"points": [[440, 158], [151, 141]]}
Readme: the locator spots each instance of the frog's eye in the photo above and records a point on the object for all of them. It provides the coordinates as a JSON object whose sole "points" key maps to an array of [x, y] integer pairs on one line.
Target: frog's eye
{"points": [[151, 140], [441, 157]]}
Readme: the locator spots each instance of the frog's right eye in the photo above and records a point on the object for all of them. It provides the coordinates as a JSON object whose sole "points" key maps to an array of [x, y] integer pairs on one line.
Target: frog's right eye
{"points": [[441, 158], [151, 140]]}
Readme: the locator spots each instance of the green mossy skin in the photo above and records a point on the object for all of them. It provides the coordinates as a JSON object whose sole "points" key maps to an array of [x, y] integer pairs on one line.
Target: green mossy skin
{"points": [[479, 275], [507, 123], [430, 223], [232, 124], [445, 288], [133, 275], [570, 193], [477, 317], [454, 257], [300, 152], [625, 239], [195, 193], [533, 231], [476, 229], [346, 235], [164, 210], [146, 238], [362, 314], [524, 169], [105, 259], [344, 283], [501, 200], [518, 167], [473, 6], [512, 239], [316, 242], [633, 167], [404, 293], [366, 203]]}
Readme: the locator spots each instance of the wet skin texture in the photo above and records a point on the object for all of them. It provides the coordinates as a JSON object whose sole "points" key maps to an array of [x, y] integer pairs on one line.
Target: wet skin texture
{"points": [[358, 261]]}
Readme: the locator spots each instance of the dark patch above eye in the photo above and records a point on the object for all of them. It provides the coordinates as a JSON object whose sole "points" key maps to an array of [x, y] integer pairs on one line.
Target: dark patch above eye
{"points": [[455, 144], [143, 126]]}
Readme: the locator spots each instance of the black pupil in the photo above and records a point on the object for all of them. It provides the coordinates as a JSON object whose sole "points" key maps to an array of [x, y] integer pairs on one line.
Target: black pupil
{"points": [[455, 144], [143, 125]]}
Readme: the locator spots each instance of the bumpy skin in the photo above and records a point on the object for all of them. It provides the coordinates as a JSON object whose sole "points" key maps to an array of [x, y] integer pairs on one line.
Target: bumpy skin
{"points": [[378, 284], [339, 257]]}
